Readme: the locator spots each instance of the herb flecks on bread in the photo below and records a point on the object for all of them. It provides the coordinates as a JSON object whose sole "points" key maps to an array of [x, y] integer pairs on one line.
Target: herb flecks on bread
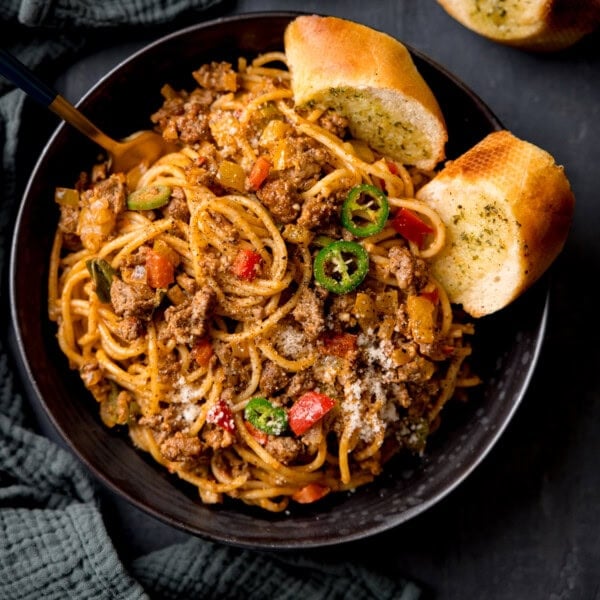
{"points": [[537, 25], [371, 79], [507, 207]]}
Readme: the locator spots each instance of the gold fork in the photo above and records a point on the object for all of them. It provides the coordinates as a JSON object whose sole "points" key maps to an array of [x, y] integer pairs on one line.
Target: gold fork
{"points": [[139, 149]]}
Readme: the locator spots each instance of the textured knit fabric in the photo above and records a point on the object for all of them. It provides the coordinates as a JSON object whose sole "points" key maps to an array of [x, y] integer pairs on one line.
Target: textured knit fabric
{"points": [[53, 541]]}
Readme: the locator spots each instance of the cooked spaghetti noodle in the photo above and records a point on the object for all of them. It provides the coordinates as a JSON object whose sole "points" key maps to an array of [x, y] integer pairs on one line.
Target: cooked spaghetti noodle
{"points": [[187, 316]]}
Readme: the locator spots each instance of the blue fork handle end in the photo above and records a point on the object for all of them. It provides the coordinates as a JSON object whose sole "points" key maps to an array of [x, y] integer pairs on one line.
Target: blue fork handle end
{"points": [[14, 70]]}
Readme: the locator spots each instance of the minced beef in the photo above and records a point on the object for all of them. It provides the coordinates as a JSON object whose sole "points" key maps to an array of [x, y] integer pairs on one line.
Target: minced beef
{"points": [[132, 300], [189, 321]]}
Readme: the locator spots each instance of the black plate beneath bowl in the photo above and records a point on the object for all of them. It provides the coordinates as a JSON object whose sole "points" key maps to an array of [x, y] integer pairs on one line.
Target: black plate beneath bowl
{"points": [[507, 344]]}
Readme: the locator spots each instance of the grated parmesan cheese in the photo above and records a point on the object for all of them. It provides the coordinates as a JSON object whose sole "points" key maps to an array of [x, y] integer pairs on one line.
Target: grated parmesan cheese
{"points": [[376, 351], [191, 412], [186, 395], [291, 342]]}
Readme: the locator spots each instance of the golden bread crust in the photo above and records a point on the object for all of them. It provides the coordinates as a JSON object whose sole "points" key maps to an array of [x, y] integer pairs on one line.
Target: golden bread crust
{"points": [[508, 208], [368, 76], [536, 25]]}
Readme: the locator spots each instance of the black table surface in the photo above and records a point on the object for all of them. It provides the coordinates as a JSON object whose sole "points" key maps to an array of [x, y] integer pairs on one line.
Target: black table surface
{"points": [[525, 523]]}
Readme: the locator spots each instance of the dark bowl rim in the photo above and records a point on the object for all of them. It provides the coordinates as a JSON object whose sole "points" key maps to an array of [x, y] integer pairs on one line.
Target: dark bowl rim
{"points": [[236, 540]]}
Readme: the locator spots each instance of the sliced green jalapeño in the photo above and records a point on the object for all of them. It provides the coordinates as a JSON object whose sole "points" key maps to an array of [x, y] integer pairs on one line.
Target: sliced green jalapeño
{"points": [[266, 417], [341, 266], [149, 197], [365, 210]]}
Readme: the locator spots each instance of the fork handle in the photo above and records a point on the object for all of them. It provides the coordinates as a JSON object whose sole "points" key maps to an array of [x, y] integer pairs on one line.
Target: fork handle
{"points": [[14, 70]]}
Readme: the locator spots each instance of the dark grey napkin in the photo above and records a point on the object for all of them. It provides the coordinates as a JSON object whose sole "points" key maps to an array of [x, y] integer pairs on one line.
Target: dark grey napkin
{"points": [[53, 541]]}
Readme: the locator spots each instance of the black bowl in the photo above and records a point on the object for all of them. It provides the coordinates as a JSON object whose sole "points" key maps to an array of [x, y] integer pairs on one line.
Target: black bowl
{"points": [[506, 346]]}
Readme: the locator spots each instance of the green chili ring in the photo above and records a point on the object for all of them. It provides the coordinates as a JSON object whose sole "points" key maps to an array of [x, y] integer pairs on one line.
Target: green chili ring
{"points": [[356, 213], [149, 197], [266, 417], [341, 266]]}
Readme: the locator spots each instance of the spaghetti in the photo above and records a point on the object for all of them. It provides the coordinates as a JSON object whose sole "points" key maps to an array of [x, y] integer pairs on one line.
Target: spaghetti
{"points": [[200, 322]]}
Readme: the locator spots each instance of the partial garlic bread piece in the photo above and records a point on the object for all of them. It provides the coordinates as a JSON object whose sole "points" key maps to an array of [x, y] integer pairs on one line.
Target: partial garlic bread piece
{"points": [[507, 207], [537, 25], [371, 79]]}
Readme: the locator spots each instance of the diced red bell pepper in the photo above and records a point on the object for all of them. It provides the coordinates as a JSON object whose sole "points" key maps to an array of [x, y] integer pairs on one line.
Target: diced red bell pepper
{"points": [[433, 296], [307, 410], [220, 414], [392, 167], [411, 227], [342, 345], [311, 492], [202, 352], [245, 264], [160, 271], [380, 183], [260, 436], [259, 172]]}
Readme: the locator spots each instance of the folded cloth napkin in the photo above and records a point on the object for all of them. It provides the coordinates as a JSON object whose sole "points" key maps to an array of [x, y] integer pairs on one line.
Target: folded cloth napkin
{"points": [[53, 541]]}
